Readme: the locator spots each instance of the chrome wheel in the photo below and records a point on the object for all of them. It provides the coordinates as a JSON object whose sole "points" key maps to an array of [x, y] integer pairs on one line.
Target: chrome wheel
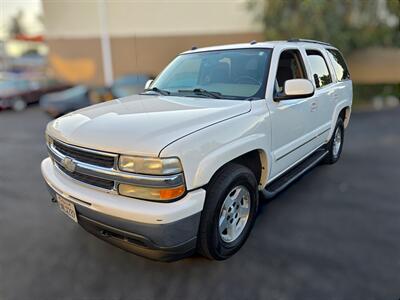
{"points": [[234, 213], [337, 141]]}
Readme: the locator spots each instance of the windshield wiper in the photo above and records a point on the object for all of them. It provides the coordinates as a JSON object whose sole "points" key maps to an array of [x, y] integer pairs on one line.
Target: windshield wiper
{"points": [[157, 90], [203, 92]]}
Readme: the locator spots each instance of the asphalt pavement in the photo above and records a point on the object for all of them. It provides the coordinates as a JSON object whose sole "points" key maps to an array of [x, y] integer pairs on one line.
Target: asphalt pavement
{"points": [[334, 234]]}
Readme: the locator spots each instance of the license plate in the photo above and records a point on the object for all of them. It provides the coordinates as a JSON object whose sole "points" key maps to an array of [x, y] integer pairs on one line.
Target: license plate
{"points": [[67, 207]]}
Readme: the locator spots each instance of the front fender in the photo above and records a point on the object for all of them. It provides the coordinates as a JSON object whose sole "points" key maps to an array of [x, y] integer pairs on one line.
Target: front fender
{"points": [[216, 159], [203, 152]]}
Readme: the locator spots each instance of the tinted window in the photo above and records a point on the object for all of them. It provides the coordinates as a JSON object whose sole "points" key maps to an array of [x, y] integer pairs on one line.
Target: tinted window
{"points": [[290, 66], [319, 68], [342, 73]]}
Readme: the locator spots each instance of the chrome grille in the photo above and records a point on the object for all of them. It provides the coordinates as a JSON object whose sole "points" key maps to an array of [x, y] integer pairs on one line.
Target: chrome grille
{"points": [[99, 182], [85, 156]]}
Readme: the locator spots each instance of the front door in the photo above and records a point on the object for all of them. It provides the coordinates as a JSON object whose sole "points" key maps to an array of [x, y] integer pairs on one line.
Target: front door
{"points": [[289, 118]]}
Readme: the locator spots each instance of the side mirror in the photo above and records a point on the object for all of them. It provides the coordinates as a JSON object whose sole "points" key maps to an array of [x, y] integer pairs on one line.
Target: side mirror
{"points": [[316, 79], [296, 88], [148, 83]]}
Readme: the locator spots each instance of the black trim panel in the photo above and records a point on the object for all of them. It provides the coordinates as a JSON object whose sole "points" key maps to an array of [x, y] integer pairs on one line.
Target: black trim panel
{"points": [[161, 235], [136, 243]]}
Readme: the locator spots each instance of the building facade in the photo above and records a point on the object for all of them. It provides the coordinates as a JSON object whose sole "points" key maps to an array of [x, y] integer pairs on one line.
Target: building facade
{"points": [[143, 35]]}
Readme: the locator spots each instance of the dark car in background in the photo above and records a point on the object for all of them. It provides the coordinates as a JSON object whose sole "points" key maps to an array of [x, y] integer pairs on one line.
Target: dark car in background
{"points": [[16, 93], [60, 103]]}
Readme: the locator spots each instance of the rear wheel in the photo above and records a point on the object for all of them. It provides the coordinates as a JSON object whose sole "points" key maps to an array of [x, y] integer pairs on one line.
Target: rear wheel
{"points": [[335, 144], [229, 212]]}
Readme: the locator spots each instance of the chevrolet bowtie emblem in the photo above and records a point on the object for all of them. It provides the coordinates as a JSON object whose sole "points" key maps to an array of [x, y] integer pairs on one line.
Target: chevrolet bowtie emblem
{"points": [[69, 164]]}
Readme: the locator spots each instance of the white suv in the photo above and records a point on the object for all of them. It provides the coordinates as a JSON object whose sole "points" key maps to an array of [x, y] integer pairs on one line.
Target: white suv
{"points": [[180, 167]]}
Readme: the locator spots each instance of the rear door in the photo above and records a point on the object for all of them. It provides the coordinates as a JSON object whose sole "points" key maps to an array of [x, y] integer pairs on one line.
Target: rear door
{"points": [[324, 97]]}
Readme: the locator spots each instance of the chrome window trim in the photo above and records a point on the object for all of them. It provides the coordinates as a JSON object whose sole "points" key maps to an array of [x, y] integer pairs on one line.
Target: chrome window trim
{"points": [[159, 181]]}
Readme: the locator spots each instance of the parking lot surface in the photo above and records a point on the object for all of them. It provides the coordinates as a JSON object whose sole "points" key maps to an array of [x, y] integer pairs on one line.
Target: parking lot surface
{"points": [[334, 234]]}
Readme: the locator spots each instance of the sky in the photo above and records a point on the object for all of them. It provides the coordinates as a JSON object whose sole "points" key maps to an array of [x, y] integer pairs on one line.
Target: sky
{"points": [[30, 8]]}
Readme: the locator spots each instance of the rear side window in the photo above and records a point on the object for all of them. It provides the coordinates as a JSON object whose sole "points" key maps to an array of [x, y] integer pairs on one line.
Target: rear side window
{"points": [[319, 68], [341, 70]]}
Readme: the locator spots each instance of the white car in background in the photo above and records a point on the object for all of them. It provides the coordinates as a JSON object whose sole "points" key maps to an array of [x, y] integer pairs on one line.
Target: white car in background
{"points": [[180, 167]]}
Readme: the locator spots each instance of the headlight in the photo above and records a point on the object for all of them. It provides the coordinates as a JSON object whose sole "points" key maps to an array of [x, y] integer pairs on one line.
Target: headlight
{"points": [[149, 165], [151, 193]]}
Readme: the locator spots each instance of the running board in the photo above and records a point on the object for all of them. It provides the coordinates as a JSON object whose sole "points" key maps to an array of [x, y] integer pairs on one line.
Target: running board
{"points": [[283, 181]]}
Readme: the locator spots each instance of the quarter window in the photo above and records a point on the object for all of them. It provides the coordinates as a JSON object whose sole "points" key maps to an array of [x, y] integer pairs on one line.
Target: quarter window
{"points": [[341, 70], [319, 68]]}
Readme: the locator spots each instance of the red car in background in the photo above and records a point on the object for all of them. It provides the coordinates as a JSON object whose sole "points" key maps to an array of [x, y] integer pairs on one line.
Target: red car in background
{"points": [[16, 93]]}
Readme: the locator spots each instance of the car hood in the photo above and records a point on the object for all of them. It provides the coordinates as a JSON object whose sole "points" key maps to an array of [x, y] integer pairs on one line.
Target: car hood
{"points": [[142, 124]]}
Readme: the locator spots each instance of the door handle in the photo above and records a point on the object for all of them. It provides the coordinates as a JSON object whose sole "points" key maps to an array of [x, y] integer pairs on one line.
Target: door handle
{"points": [[314, 106]]}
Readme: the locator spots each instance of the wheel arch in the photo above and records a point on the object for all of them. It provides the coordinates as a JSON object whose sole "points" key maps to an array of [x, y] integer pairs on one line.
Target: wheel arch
{"points": [[256, 160], [345, 113]]}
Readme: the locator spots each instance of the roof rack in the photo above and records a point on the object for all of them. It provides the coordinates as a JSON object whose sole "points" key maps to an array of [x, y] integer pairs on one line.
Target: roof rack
{"points": [[309, 41]]}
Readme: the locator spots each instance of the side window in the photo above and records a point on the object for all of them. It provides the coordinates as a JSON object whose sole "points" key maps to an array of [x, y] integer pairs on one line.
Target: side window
{"points": [[290, 66], [341, 70], [319, 68]]}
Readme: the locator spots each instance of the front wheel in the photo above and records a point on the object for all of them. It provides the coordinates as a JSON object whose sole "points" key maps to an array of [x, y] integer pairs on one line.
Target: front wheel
{"points": [[335, 144], [229, 212]]}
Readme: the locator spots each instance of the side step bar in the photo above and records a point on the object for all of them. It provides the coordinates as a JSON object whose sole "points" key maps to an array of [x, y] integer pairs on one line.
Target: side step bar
{"points": [[283, 181]]}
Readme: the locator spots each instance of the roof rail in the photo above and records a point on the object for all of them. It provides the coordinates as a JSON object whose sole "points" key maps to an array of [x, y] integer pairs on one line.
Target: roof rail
{"points": [[309, 41]]}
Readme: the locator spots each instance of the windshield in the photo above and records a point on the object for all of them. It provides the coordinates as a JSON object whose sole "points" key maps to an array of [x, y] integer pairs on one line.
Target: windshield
{"points": [[226, 74]]}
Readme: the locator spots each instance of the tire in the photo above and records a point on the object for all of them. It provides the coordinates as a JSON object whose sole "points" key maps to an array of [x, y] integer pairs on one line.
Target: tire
{"points": [[18, 104], [334, 151], [234, 187]]}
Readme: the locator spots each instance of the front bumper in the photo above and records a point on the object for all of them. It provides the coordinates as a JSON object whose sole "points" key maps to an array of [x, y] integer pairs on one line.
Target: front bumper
{"points": [[161, 231]]}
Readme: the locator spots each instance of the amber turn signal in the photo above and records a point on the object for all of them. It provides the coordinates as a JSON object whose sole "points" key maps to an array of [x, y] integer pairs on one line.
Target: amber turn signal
{"points": [[151, 193]]}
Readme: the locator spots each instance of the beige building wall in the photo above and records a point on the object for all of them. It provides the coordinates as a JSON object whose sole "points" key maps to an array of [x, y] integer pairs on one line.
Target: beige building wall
{"points": [[375, 65], [68, 18], [145, 35]]}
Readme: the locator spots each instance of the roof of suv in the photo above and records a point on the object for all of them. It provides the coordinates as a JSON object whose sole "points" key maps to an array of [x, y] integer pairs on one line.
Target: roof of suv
{"points": [[266, 44]]}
